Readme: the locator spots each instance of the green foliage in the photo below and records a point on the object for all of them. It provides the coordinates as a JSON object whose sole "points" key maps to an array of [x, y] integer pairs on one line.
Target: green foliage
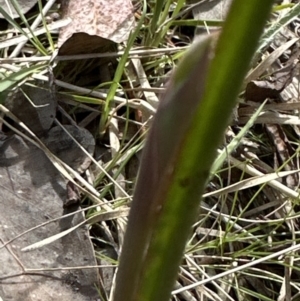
{"points": [[13, 79]]}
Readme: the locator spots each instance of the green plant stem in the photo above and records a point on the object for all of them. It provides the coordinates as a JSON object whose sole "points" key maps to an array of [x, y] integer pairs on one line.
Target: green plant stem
{"points": [[234, 50], [157, 231]]}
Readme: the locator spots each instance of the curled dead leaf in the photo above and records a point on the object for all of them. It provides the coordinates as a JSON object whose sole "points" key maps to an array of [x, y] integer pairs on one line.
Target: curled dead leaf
{"points": [[93, 22]]}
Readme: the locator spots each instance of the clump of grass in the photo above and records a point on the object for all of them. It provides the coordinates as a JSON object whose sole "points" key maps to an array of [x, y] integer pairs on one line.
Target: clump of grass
{"points": [[234, 227]]}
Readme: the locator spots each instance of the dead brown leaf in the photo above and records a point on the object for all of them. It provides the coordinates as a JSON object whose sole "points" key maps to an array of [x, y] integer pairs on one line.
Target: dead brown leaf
{"points": [[259, 90], [96, 24]]}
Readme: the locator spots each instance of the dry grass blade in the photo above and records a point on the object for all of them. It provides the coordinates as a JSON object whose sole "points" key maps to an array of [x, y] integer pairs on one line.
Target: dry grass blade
{"points": [[267, 62], [21, 39], [254, 172], [254, 181], [100, 217]]}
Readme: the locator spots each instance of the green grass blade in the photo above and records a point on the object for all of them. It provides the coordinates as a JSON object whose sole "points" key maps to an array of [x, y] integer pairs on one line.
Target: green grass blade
{"points": [[119, 72], [13, 79], [156, 15], [268, 36], [236, 140], [34, 40]]}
